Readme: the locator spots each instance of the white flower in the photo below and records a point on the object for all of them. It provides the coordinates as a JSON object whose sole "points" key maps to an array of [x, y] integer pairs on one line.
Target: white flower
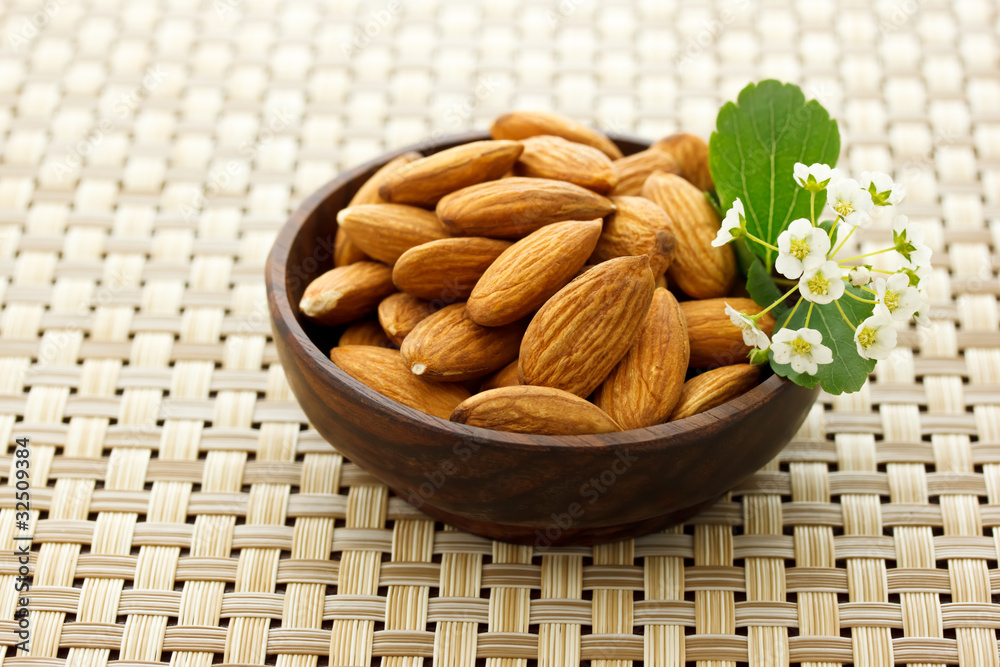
{"points": [[883, 191], [801, 247], [731, 226], [876, 336], [850, 202], [918, 276], [814, 177], [803, 349], [908, 239], [752, 336], [860, 276], [898, 296], [823, 283]]}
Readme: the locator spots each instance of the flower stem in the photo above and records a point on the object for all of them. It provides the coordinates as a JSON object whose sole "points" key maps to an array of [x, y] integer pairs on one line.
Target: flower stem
{"points": [[790, 315], [842, 242], [783, 297], [763, 242], [868, 254], [858, 298], [809, 313], [851, 267], [812, 207], [844, 315]]}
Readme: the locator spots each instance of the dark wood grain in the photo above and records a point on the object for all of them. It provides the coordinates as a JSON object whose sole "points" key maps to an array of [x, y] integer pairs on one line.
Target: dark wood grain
{"points": [[542, 490]]}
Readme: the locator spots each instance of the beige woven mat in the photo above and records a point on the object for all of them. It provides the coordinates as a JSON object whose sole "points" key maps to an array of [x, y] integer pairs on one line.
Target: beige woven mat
{"points": [[183, 511]]}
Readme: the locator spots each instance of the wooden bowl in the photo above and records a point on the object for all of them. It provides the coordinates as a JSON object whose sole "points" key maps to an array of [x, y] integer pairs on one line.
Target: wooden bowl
{"points": [[540, 490]]}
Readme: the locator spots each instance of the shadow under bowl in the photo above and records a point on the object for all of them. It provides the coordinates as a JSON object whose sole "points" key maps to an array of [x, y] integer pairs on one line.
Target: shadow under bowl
{"points": [[528, 489]]}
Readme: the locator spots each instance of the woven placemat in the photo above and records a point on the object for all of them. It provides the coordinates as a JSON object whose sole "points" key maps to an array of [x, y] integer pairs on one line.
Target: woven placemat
{"points": [[181, 509]]}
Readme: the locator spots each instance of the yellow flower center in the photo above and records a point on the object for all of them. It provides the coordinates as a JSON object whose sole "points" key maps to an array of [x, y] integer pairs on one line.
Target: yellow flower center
{"points": [[799, 249], [867, 337], [801, 347], [891, 300], [843, 207], [818, 284]]}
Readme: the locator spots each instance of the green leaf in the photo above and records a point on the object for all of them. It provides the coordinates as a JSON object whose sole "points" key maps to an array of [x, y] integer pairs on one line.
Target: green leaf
{"points": [[849, 369], [763, 291], [755, 146]]}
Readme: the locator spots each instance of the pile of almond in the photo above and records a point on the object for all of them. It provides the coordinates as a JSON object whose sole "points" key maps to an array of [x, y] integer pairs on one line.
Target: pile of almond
{"points": [[520, 284]]}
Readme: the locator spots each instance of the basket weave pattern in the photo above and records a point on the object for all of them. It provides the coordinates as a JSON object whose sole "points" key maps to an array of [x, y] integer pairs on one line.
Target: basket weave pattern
{"points": [[183, 511]]}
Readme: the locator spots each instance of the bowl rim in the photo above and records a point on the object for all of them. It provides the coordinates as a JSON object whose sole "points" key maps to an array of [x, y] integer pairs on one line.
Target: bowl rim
{"points": [[280, 306]]}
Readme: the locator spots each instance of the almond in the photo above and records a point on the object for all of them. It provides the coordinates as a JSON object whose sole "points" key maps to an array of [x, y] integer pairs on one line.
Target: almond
{"points": [[345, 252], [532, 270], [715, 340], [448, 346], [661, 253], [511, 208], [633, 170], [713, 388], [585, 329], [700, 269], [366, 332], [538, 410], [691, 154], [423, 182], [505, 377], [386, 231], [554, 157], [637, 227], [346, 292], [384, 371], [644, 387], [368, 193], [446, 270], [400, 312], [523, 124]]}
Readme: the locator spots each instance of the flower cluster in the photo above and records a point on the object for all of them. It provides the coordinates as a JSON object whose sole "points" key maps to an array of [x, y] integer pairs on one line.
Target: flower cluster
{"points": [[807, 258]]}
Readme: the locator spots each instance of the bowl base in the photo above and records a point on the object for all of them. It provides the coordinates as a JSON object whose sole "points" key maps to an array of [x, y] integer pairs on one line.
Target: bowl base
{"points": [[557, 535]]}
